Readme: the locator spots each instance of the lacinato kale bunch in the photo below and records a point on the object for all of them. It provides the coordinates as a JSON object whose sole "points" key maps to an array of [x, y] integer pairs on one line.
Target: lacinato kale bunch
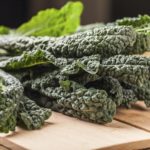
{"points": [[136, 22], [140, 24], [11, 92], [15, 108], [73, 99], [55, 83], [87, 74], [106, 41]]}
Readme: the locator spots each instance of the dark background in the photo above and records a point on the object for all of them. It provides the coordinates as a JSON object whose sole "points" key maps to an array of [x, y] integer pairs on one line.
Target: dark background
{"points": [[15, 12]]}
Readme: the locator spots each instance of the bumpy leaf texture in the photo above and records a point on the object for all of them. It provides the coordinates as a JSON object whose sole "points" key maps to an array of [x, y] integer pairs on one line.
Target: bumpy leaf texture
{"points": [[75, 100], [31, 115], [111, 86], [86, 104], [11, 92], [142, 93], [27, 60], [107, 41], [140, 20], [141, 24], [128, 60]]}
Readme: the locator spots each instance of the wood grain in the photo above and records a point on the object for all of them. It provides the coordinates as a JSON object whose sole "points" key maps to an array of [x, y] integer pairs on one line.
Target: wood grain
{"points": [[147, 54], [138, 145], [138, 116], [8, 145], [66, 133]]}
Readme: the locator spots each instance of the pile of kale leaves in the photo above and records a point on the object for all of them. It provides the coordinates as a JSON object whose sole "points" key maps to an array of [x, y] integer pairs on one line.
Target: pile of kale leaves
{"points": [[53, 63]]}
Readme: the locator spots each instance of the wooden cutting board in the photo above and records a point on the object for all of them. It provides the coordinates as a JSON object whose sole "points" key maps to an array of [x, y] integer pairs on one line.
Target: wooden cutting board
{"points": [[138, 116], [130, 130], [68, 133]]}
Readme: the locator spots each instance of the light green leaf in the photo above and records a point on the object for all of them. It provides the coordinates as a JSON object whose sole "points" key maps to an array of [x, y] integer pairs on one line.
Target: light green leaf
{"points": [[54, 22]]}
